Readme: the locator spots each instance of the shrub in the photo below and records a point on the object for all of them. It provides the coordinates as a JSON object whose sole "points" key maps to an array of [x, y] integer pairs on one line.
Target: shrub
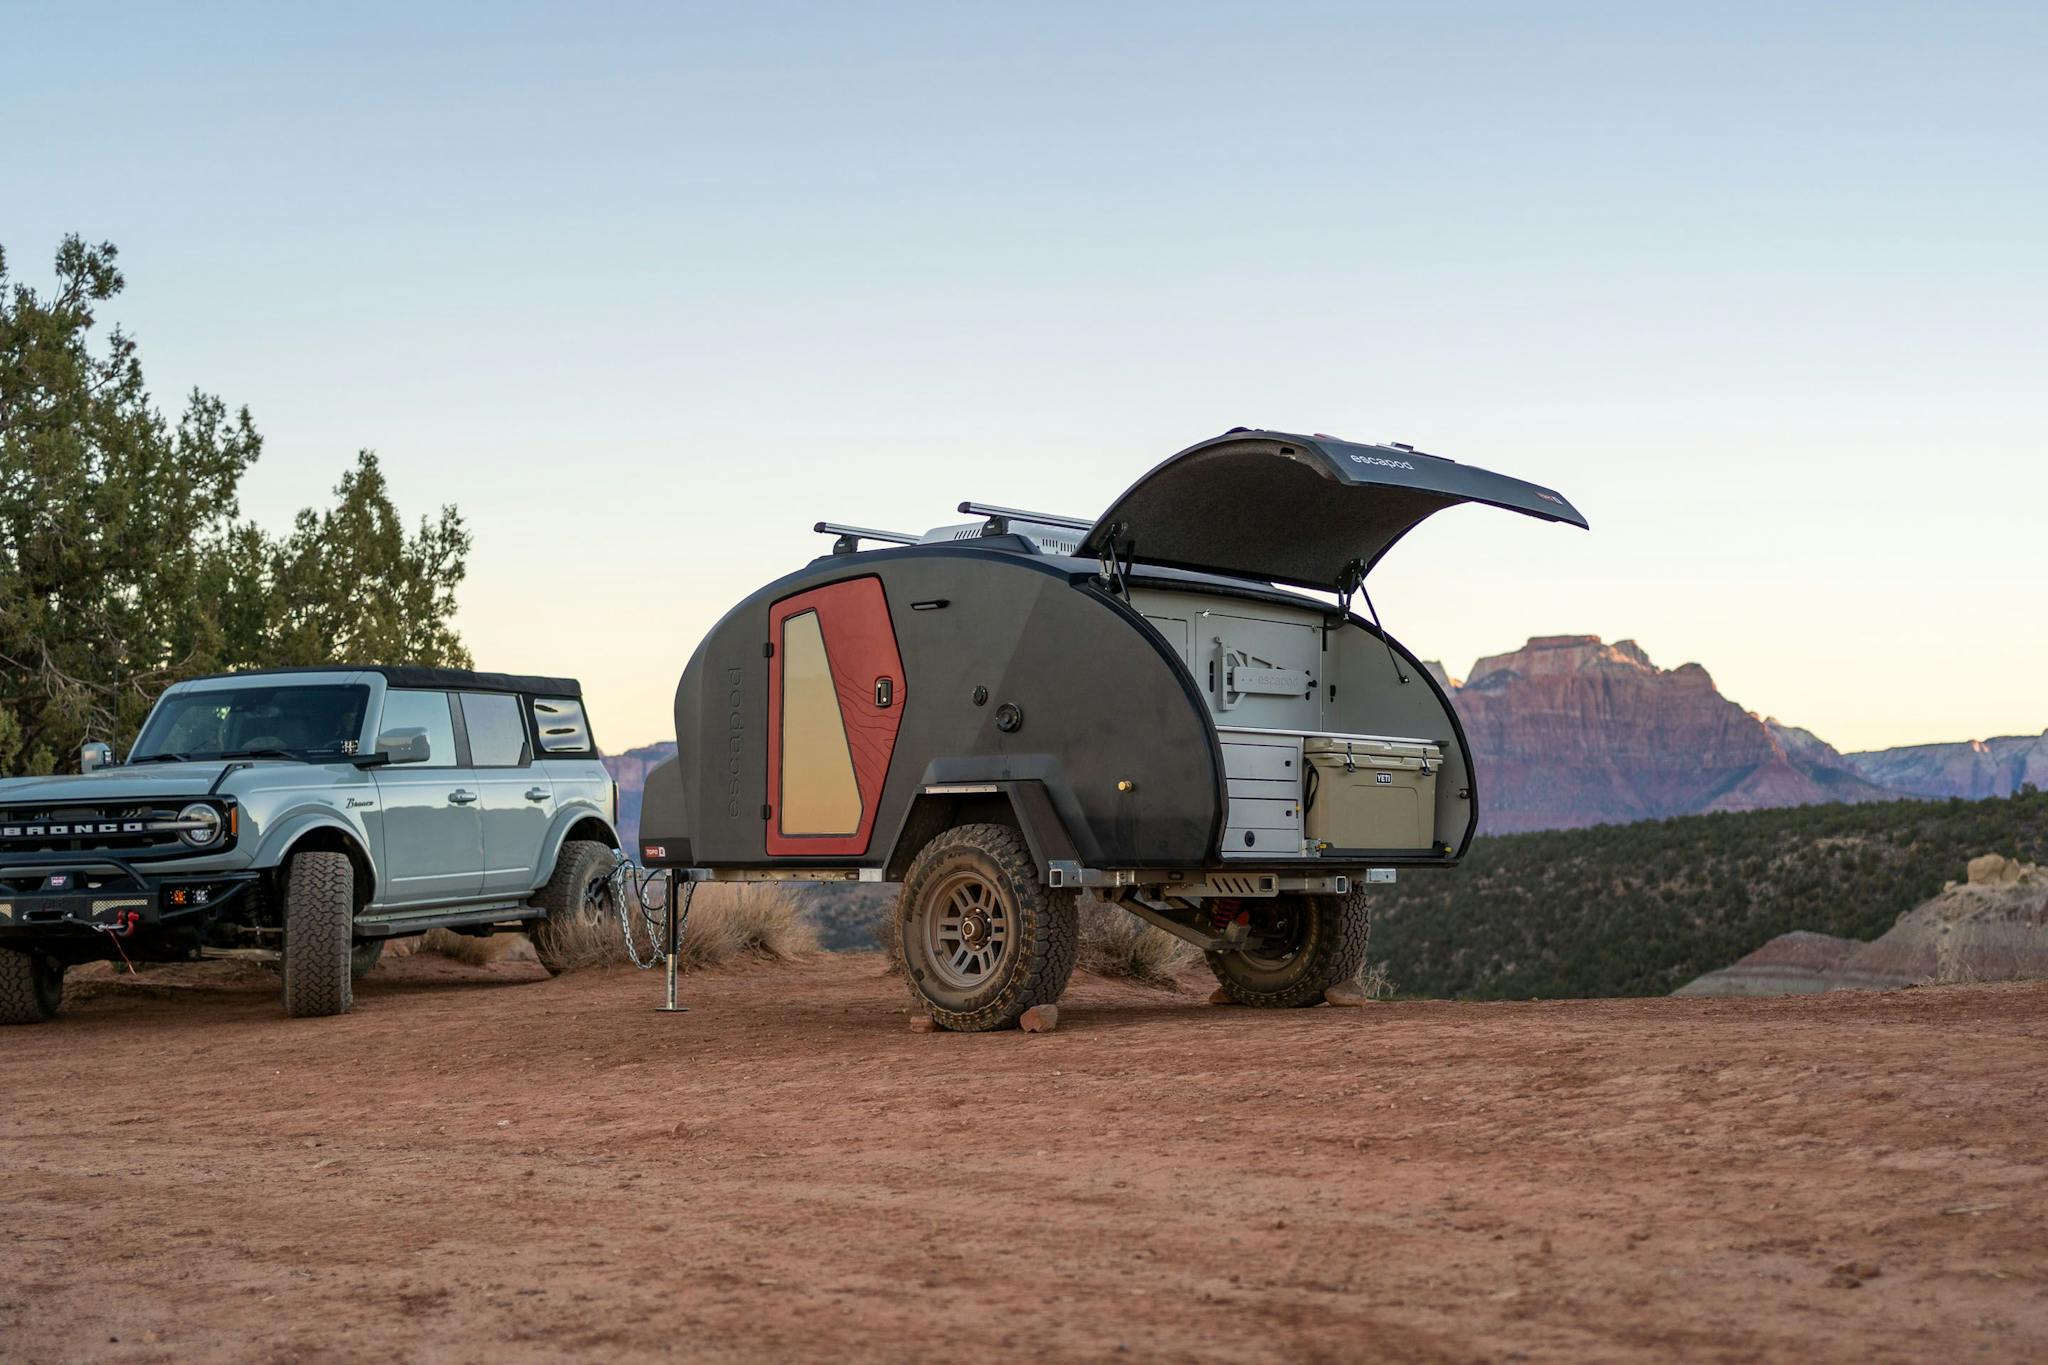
{"points": [[1116, 943], [727, 920]]}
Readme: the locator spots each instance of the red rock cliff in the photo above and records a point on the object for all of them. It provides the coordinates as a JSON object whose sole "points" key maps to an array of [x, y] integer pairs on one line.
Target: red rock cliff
{"points": [[1569, 731]]}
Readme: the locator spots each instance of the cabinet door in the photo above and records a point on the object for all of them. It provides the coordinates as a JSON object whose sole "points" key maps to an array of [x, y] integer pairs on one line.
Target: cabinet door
{"points": [[836, 694]]}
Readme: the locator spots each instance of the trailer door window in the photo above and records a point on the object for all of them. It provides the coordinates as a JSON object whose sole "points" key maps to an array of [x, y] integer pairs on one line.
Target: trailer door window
{"points": [[819, 792]]}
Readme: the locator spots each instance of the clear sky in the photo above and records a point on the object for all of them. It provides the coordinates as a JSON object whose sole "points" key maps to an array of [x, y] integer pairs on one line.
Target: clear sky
{"points": [[648, 290]]}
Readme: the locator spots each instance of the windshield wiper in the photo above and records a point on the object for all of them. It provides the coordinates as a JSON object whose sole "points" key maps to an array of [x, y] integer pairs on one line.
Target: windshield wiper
{"points": [[265, 753], [162, 758]]}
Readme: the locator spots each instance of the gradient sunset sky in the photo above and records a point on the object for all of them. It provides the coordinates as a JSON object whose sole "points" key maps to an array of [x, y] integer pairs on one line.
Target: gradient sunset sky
{"points": [[646, 290]]}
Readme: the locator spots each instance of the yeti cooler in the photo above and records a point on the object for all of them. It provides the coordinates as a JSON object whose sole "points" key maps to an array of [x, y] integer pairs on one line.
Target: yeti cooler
{"points": [[1371, 794]]}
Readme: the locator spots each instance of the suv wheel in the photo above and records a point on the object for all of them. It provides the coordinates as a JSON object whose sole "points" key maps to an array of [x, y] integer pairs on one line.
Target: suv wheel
{"points": [[31, 987], [319, 910], [983, 938], [1307, 945], [578, 901]]}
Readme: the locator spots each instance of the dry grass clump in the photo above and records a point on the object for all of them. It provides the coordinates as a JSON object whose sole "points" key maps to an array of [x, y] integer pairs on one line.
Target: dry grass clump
{"points": [[1115, 942], [1373, 982], [728, 920], [470, 950]]}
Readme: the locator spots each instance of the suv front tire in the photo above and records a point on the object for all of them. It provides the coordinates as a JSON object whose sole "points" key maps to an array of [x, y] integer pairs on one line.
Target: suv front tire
{"points": [[319, 913]]}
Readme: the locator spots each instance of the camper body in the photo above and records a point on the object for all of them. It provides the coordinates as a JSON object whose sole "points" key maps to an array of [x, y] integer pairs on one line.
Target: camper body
{"points": [[1004, 714]]}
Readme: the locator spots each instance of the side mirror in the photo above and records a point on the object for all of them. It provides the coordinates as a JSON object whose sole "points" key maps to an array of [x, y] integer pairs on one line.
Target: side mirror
{"points": [[404, 746], [94, 756]]}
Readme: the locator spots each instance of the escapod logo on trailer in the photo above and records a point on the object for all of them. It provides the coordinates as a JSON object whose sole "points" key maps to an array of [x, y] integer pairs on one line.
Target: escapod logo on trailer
{"points": [[1385, 464], [735, 730]]}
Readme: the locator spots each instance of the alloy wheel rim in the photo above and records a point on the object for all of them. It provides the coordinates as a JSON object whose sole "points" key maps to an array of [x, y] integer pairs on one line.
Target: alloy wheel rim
{"points": [[969, 931]]}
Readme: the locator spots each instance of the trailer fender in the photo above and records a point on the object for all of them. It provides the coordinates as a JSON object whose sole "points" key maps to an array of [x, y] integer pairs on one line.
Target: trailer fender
{"points": [[1025, 806]]}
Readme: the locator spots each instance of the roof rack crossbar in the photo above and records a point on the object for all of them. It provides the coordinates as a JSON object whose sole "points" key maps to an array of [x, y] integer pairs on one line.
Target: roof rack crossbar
{"points": [[850, 537], [989, 509]]}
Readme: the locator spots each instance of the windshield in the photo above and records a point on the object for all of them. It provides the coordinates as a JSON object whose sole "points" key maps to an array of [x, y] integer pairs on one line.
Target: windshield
{"points": [[255, 722]]}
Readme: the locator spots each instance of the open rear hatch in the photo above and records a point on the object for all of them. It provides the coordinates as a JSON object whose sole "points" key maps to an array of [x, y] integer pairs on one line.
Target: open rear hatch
{"points": [[1311, 511]]}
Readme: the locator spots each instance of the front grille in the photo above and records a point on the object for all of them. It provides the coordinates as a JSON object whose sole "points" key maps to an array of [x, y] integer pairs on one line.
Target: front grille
{"points": [[117, 828]]}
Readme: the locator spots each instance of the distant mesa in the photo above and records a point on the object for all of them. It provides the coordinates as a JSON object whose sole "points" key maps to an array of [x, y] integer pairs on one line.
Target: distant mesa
{"points": [[1569, 731], [1970, 769], [1993, 927]]}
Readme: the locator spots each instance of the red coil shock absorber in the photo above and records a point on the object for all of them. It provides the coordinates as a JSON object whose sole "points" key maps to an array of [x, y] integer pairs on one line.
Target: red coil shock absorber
{"points": [[1222, 911]]}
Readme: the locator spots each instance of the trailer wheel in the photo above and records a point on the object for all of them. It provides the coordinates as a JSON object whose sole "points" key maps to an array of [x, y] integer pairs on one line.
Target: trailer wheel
{"points": [[1308, 944], [31, 987], [577, 898], [319, 911], [983, 938]]}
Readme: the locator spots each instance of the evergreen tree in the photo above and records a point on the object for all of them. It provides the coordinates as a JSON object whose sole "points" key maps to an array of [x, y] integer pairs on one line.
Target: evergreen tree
{"points": [[124, 565]]}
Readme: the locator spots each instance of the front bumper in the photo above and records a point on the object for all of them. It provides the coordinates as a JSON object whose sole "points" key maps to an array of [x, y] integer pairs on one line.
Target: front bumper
{"points": [[48, 904]]}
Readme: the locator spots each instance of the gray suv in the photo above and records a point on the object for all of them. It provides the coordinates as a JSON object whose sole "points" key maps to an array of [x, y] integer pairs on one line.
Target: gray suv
{"points": [[304, 817]]}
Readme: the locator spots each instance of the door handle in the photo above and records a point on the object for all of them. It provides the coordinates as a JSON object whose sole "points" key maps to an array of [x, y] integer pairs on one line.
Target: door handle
{"points": [[462, 797], [538, 793]]}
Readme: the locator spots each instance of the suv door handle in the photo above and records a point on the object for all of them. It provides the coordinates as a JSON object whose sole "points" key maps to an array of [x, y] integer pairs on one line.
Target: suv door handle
{"points": [[538, 793], [461, 796]]}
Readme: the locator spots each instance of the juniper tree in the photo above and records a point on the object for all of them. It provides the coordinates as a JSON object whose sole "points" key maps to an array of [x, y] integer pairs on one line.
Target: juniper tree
{"points": [[124, 564]]}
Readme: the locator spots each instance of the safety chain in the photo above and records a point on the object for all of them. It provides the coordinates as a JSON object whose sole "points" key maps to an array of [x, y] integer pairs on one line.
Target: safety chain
{"points": [[632, 885]]}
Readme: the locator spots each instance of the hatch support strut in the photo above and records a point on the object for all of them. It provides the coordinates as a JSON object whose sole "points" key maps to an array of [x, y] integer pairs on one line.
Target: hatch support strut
{"points": [[1351, 583], [1116, 568]]}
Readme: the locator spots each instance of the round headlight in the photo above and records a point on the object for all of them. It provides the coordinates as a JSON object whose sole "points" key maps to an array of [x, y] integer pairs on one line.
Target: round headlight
{"points": [[202, 825]]}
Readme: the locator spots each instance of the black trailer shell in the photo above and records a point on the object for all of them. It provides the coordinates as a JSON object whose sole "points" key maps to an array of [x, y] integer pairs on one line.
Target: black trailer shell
{"points": [[1032, 690], [1112, 728]]}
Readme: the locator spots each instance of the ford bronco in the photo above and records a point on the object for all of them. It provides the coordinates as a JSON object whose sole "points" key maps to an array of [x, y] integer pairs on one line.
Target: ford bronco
{"points": [[304, 817]]}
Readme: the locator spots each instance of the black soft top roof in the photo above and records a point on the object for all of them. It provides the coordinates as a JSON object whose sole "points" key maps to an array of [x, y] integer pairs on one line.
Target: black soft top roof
{"points": [[407, 675], [1297, 509]]}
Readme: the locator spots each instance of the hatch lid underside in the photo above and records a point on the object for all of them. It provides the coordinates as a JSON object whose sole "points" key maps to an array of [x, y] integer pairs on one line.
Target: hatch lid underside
{"points": [[1297, 509]]}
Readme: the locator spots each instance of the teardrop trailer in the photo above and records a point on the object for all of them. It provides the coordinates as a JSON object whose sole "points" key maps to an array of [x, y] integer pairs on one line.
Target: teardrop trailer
{"points": [[1003, 714]]}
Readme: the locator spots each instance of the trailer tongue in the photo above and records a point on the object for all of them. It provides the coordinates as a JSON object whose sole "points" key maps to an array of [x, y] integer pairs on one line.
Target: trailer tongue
{"points": [[1003, 713]]}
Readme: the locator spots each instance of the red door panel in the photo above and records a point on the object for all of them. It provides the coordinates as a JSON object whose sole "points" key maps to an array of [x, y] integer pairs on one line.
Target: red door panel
{"points": [[867, 678]]}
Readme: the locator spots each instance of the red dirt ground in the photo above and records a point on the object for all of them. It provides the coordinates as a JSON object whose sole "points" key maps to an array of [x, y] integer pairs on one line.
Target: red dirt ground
{"points": [[480, 1165]]}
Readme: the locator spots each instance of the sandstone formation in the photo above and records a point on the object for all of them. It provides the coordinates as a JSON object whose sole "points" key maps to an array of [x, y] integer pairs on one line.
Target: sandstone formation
{"points": [[1970, 769], [1569, 731], [1993, 927], [1798, 963]]}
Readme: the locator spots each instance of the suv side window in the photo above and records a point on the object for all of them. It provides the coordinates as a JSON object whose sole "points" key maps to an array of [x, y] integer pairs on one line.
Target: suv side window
{"points": [[423, 711], [497, 736], [560, 724]]}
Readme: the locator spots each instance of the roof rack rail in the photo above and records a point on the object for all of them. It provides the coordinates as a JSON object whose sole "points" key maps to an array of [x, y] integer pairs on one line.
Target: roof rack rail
{"points": [[988, 509], [850, 537]]}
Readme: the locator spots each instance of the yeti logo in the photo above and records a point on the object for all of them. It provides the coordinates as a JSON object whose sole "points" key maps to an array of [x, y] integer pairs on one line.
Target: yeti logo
{"points": [[1384, 779]]}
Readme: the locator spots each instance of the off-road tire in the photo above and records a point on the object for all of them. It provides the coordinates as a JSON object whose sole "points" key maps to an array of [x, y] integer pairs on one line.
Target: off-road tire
{"points": [[580, 868], [363, 957], [1044, 931], [31, 987], [1332, 935], [319, 912]]}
